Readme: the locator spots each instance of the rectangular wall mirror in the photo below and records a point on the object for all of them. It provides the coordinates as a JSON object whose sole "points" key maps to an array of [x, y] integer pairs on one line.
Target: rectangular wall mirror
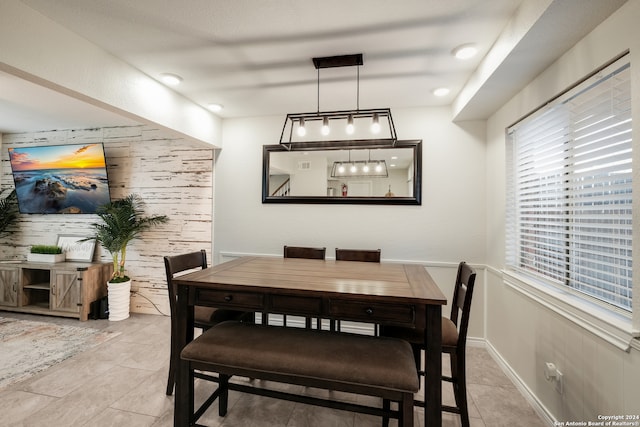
{"points": [[343, 174]]}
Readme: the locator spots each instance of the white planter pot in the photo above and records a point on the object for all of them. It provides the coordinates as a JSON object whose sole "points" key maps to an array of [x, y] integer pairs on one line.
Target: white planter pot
{"points": [[45, 257], [119, 300]]}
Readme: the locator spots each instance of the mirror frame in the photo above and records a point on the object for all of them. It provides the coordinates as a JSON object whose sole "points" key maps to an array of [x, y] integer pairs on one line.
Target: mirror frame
{"points": [[416, 145]]}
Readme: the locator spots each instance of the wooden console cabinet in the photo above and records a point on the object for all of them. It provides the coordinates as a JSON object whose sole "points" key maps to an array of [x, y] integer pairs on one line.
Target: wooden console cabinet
{"points": [[58, 289]]}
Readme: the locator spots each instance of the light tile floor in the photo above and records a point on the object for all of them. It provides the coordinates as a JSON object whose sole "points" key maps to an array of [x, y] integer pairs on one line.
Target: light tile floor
{"points": [[122, 383]]}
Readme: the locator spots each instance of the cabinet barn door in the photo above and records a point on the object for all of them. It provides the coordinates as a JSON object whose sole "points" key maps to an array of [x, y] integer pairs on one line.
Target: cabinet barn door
{"points": [[66, 291], [9, 286]]}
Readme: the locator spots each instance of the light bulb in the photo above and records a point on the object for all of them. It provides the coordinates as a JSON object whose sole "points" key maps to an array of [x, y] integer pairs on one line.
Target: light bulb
{"points": [[378, 167], [365, 168], [353, 169], [350, 127], [375, 125], [341, 168], [325, 126], [302, 131]]}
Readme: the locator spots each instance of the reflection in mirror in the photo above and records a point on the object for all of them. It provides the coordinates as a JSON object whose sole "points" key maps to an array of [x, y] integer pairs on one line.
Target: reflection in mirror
{"points": [[388, 175]]}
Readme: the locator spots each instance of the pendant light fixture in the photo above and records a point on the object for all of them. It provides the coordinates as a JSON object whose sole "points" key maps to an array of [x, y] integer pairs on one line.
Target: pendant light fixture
{"points": [[365, 128]]}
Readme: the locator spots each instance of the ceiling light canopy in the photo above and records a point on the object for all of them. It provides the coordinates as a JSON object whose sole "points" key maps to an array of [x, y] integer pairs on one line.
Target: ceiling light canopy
{"points": [[465, 51], [171, 79], [361, 127], [216, 107], [441, 91]]}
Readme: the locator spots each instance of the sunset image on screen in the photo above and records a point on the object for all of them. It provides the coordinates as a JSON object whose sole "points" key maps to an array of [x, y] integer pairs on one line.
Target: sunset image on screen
{"points": [[57, 157], [60, 178]]}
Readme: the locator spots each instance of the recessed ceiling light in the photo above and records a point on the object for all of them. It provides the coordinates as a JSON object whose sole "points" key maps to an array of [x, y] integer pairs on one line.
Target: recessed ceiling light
{"points": [[441, 91], [215, 107], [171, 79], [465, 51]]}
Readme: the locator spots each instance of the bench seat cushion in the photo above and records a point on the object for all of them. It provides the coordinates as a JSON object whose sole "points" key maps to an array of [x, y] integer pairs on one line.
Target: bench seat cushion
{"points": [[295, 354]]}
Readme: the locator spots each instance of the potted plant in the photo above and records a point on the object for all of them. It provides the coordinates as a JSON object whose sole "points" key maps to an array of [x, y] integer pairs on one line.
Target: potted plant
{"points": [[46, 253], [123, 221], [8, 211]]}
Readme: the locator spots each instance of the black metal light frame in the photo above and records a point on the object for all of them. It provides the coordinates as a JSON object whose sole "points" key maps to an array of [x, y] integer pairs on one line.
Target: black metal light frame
{"points": [[287, 140]]}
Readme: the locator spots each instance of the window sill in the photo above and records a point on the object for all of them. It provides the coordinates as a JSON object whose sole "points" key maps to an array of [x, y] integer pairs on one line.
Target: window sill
{"points": [[614, 328]]}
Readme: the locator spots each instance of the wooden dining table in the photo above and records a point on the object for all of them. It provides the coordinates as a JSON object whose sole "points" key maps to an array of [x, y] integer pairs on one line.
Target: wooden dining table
{"points": [[378, 293]]}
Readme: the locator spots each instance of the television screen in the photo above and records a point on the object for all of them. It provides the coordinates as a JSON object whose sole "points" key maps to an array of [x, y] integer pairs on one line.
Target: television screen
{"points": [[60, 179]]}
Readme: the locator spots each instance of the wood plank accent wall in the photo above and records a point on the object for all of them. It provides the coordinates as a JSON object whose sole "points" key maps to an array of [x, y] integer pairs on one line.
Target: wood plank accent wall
{"points": [[174, 178]]}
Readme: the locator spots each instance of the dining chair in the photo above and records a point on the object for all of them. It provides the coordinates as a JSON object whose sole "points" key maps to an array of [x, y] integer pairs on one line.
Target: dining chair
{"points": [[454, 339], [304, 252], [204, 317], [307, 253], [361, 255]]}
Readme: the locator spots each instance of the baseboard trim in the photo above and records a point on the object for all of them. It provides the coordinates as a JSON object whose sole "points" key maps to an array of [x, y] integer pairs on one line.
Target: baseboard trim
{"points": [[526, 392]]}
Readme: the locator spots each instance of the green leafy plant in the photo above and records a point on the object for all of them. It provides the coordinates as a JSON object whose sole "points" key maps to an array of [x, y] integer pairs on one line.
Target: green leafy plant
{"points": [[46, 249], [8, 211], [122, 222]]}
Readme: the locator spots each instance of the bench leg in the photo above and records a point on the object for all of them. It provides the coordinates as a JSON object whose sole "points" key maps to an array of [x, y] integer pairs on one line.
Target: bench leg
{"points": [[386, 406], [406, 410], [223, 398], [190, 393]]}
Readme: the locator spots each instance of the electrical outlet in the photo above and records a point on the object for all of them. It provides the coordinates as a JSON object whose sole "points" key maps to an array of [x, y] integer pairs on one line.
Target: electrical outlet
{"points": [[553, 374]]}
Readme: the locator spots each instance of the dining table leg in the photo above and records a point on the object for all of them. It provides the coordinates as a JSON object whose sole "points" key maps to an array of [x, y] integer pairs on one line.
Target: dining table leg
{"points": [[433, 367], [183, 403]]}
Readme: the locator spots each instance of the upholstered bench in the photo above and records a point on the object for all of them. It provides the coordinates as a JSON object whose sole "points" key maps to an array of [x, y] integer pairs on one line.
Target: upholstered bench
{"points": [[375, 366]]}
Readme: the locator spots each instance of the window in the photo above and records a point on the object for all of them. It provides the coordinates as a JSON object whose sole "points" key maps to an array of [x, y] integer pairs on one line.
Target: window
{"points": [[569, 201]]}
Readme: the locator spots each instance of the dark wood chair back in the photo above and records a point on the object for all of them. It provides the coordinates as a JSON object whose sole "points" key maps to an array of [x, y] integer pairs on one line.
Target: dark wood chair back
{"points": [[204, 317], [308, 253], [177, 264], [174, 265], [362, 255], [454, 339], [304, 252], [461, 302]]}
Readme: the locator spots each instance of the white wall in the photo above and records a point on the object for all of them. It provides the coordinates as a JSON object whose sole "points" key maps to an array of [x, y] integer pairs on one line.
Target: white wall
{"points": [[600, 379], [451, 212], [447, 228]]}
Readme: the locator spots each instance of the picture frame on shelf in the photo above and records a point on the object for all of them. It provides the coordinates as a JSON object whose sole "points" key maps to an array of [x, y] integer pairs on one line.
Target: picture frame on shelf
{"points": [[77, 248]]}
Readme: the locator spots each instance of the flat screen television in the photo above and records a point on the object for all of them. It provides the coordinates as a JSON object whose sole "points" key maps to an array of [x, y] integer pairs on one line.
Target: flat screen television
{"points": [[60, 179]]}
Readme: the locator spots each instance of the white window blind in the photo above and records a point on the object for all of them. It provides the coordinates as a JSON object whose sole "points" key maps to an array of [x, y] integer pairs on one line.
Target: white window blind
{"points": [[569, 213]]}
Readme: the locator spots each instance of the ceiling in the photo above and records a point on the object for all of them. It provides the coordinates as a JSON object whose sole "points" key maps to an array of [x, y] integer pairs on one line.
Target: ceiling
{"points": [[254, 56]]}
